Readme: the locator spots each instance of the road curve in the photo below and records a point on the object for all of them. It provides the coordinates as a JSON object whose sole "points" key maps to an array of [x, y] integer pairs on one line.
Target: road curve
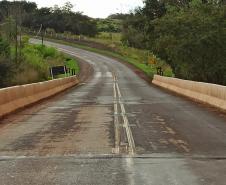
{"points": [[114, 128]]}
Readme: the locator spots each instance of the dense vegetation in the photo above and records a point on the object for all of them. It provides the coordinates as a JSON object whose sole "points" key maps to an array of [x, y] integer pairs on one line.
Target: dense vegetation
{"points": [[59, 19], [109, 25], [188, 35], [32, 64], [6, 66], [112, 24], [21, 62]]}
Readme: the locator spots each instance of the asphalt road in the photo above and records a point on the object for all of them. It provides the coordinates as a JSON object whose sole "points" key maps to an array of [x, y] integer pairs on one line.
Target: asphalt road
{"points": [[114, 128]]}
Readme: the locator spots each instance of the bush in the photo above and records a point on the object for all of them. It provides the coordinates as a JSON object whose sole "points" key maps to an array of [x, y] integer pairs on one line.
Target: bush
{"points": [[6, 66], [49, 52], [6, 71], [195, 46], [25, 40], [4, 47], [46, 51]]}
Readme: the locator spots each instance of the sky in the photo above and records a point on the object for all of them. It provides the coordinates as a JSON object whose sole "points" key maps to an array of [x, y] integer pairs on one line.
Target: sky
{"points": [[95, 8]]}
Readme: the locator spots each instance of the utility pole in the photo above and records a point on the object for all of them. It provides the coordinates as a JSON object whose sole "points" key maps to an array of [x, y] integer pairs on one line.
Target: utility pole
{"points": [[148, 57], [20, 12], [42, 35], [16, 51]]}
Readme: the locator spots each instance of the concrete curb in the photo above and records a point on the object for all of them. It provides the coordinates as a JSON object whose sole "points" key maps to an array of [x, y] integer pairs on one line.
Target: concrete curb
{"points": [[13, 98], [211, 94]]}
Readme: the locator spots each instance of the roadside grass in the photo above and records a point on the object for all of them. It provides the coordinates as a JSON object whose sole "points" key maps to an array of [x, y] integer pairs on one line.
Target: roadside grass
{"points": [[72, 64], [141, 59], [35, 62], [110, 44]]}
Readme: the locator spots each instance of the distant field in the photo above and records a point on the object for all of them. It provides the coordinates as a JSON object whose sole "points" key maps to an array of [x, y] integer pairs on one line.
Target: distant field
{"points": [[107, 38]]}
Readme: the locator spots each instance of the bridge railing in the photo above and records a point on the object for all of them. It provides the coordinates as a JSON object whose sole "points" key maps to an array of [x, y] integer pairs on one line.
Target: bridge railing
{"points": [[211, 94], [13, 98]]}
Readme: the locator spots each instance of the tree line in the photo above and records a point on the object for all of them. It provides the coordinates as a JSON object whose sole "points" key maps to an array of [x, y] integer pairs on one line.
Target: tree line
{"points": [[190, 35], [21, 62], [60, 19]]}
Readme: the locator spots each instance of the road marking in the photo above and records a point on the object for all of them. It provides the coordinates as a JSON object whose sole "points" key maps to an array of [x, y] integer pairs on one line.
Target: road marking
{"points": [[116, 121], [74, 53], [98, 74], [66, 51], [131, 171], [108, 74], [123, 113], [126, 124], [154, 147], [106, 156]]}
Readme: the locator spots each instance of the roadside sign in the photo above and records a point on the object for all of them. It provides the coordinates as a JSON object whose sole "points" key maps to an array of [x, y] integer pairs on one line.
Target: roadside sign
{"points": [[58, 70]]}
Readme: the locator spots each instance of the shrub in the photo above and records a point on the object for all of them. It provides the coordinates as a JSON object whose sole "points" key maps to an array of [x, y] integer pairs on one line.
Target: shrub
{"points": [[195, 46], [4, 47], [49, 52], [6, 71]]}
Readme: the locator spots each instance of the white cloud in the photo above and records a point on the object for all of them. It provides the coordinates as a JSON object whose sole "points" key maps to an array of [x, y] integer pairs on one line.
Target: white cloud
{"points": [[96, 8]]}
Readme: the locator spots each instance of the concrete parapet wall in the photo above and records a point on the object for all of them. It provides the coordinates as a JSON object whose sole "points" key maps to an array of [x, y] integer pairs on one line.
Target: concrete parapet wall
{"points": [[211, 94], [13, 98]]}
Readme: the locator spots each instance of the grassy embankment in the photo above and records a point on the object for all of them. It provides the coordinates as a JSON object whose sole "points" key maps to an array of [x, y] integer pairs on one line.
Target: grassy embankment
{"points": [[35, 63], [72, 64], [142, 59]]}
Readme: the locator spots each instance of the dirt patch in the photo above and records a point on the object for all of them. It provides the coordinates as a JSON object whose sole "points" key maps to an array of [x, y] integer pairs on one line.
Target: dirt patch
{"points": [[86, 70]]}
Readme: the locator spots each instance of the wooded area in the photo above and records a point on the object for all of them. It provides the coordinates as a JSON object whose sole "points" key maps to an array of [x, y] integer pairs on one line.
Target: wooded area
{"points": [[189, 35], [21, 62], [58, 18]]}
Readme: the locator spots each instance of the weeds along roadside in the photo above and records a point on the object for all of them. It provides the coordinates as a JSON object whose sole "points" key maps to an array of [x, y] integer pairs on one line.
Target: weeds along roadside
{"points": [[141, 59], [33, 64]]}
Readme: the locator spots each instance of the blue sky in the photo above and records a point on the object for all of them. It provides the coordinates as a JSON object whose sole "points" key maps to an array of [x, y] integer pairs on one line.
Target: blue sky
{"points": [[95, 8]]}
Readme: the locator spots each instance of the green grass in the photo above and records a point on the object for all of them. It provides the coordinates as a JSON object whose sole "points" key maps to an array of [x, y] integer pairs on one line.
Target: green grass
{"points": [[114, 48], [36, 61], [72, 64], [46, 51], [142, 59], [107, 38], [133, 56]]}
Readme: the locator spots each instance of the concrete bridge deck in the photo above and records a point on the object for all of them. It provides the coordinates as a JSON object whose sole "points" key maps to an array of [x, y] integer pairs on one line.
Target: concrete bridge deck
{"points": [[114, 128]]}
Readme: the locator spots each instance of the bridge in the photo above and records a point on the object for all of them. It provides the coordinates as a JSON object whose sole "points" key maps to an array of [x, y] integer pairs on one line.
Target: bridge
{"points": [[113, 128]]}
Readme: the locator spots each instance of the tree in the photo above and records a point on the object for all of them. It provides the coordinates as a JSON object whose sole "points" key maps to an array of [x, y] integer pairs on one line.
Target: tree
{"points": [[119, 16], [4, 48], [67, 8], [6, 65], [195, 46], [61, 19], [189, 36], [153, 9], [133, 31]]}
